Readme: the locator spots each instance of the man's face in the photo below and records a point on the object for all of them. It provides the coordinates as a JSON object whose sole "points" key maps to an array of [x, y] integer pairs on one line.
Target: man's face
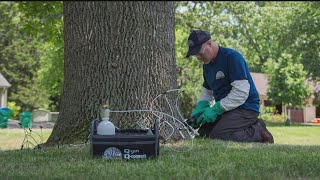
{"points": [[204, 54]]}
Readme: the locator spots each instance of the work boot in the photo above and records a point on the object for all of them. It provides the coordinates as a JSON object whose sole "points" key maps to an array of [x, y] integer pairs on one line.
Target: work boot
{"points": [[265, 134]]}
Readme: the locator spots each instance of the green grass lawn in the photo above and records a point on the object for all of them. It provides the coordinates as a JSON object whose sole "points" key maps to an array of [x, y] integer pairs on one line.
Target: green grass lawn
{"points": [[11, 139], [295, 155]]}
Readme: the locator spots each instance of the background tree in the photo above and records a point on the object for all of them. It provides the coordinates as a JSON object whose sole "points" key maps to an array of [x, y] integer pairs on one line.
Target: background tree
{"points": [[31, 43], [288, 85], [19, 57], [196, 15], [306, 32], [122, 53], [44, 22], [259, 30]]}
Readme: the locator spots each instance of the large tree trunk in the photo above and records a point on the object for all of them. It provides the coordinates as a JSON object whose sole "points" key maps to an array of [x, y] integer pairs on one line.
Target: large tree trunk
{"points": [[120, 53]]}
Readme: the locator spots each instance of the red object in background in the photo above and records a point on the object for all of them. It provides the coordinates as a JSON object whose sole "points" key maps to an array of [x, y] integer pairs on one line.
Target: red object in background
{"points": [[317, 120]]}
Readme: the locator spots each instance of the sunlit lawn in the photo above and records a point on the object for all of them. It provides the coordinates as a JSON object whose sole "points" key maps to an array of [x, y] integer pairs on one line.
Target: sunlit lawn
{"points": [[13, 138], [299, 135], [295, 155]]}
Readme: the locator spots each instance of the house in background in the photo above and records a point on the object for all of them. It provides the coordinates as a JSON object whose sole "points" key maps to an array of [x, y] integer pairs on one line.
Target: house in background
{"points": [[4, 85], [304, 115]]}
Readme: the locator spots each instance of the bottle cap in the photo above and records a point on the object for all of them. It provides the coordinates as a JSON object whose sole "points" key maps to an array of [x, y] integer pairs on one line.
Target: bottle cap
{"points": [[105, 111]]}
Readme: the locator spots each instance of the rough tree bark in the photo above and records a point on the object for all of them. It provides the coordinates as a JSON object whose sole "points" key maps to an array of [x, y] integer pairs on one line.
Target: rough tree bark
{"points": [[122, 53]]}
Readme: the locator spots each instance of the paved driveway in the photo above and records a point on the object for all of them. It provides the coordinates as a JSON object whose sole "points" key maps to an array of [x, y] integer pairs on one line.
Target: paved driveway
{"points": [[35, 125]]}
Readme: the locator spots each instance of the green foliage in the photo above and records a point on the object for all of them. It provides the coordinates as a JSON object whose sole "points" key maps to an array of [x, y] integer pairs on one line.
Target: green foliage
{"points": [[31, 52], [306, 32], [278, 118], [51, 72], [19, 59], [45, 21], [266, 112], [270, 114], [287, 81], [31, 38], [261, 31], [15, 110], [189, 16]]}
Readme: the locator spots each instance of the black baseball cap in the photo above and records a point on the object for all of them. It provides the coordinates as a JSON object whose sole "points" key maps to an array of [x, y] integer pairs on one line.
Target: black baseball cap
{"points": [[196, 39]]}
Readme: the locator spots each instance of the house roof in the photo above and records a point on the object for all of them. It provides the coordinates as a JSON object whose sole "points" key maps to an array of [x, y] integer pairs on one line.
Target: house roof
{"points": [[261, 82], [4, 82]]}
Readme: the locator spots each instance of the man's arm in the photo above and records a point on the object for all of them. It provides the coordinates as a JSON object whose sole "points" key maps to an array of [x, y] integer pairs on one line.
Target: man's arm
{"points": [[204, 99], [206, 95], [239, 93], [240, 85], [237, 96]]}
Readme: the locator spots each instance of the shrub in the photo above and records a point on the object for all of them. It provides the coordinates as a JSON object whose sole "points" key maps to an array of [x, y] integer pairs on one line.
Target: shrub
{"points": [[15, 109], [278, 118], [265, 116], [270, 114], [266, 112]]}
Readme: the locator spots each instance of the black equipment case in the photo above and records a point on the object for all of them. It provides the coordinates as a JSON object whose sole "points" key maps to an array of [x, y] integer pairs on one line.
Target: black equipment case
{"points": [[126, 143]]}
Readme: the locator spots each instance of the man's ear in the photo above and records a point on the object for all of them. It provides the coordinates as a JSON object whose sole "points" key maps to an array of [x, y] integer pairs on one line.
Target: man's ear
{"points": [[210, 43]]}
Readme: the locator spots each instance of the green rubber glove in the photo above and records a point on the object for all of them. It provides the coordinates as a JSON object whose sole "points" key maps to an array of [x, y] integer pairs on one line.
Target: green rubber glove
{"points": [[196, 113], [201, 105], [210, 114]]}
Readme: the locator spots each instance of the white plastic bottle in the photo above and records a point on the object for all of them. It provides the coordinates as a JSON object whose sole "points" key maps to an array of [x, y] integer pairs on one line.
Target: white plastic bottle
{"points": [[105, 127]]}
